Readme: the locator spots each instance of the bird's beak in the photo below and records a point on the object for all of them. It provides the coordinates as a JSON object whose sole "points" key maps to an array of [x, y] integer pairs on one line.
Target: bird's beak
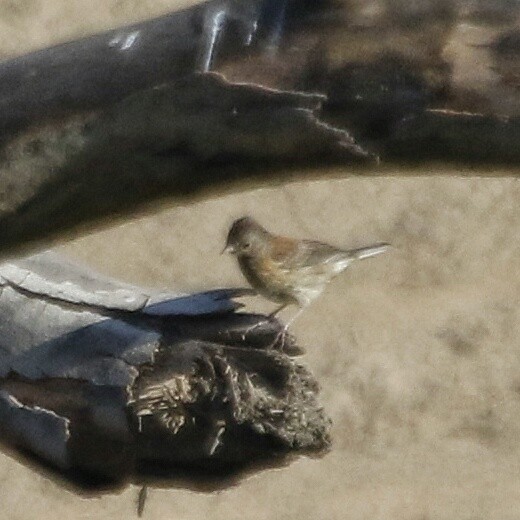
{"points": [[229, 249]]}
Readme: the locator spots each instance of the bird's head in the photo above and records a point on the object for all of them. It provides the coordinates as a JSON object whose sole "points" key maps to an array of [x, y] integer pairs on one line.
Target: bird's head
{"points": [[246, 238]]}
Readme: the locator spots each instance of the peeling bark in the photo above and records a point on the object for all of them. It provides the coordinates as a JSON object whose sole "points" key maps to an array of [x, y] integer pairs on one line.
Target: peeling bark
{"points": [[95, 382], [175, 140], [111, 123]]}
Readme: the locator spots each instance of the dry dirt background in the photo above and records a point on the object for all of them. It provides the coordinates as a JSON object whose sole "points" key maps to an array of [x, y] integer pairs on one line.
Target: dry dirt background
{"points": [[417, 351]]}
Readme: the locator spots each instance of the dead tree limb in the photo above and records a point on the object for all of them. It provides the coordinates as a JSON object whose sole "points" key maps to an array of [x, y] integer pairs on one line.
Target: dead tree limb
{"points": [[108, 124], [103, 379]]}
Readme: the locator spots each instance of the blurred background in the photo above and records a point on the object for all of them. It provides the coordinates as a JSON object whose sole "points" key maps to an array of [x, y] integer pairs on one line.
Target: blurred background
{"points": [[416, 350]]}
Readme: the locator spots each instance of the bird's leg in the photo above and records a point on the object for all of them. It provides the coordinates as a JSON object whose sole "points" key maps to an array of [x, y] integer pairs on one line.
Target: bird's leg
{"points": [[288, 324], [283, 333], [255, 326], [269, 316]]}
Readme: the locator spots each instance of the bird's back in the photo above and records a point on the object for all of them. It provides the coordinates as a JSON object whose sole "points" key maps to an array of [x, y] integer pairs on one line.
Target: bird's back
{"points": [[290, 270], [312, 264], [313, 255]]}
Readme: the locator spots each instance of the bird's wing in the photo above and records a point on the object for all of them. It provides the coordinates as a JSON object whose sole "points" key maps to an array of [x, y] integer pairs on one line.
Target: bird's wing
{"points": [[309, 253], [299, 254]]}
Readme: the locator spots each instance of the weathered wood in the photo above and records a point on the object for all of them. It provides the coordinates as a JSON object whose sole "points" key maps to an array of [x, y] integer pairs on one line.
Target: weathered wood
{"points": [[111, 123], [103, 379], [96, 71], [197, 134]]}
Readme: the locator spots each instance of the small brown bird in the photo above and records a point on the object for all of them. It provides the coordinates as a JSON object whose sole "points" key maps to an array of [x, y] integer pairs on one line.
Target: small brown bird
{"points": [[286, 270]]}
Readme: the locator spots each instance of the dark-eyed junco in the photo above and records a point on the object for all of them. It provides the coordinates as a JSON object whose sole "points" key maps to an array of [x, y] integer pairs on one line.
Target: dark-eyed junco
{"points": [[286, 270]]}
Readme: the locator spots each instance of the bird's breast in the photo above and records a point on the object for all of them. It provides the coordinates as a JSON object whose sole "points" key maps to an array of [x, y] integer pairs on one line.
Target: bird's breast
{"points": [[267, 278]]}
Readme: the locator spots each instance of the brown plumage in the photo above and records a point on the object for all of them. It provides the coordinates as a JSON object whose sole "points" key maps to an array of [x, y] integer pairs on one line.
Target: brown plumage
{"points": [[286, 270]]}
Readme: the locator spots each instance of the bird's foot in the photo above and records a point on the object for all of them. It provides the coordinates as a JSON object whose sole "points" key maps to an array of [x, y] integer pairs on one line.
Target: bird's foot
{"points": [[281, 340], [252, 328]]}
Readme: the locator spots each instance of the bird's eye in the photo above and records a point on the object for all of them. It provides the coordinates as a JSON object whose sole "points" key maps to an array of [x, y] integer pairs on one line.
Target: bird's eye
{"points": [[246, 246]]}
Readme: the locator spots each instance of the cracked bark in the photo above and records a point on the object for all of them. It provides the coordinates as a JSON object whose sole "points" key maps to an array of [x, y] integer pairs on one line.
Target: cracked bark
{"points": [[111, 393], [109, 124]]}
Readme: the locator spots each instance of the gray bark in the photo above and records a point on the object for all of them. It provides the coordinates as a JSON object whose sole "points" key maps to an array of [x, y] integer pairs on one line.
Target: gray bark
{"points": [[106, 380]]}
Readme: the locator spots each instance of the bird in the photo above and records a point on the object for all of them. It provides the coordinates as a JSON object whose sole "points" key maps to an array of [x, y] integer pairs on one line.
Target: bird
{"points": [[286, 270]]}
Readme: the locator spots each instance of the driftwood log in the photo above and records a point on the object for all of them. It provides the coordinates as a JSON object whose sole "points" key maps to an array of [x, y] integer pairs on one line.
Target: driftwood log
{"points": [[103, 380], [104, 125]]}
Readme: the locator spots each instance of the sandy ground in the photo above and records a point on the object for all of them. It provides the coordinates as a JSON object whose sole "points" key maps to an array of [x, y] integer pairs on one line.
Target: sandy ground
{"points": [[416, 351]]}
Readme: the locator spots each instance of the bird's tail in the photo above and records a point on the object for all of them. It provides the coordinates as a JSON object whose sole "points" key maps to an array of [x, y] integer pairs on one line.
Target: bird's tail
{"points": [[367, 252]]}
